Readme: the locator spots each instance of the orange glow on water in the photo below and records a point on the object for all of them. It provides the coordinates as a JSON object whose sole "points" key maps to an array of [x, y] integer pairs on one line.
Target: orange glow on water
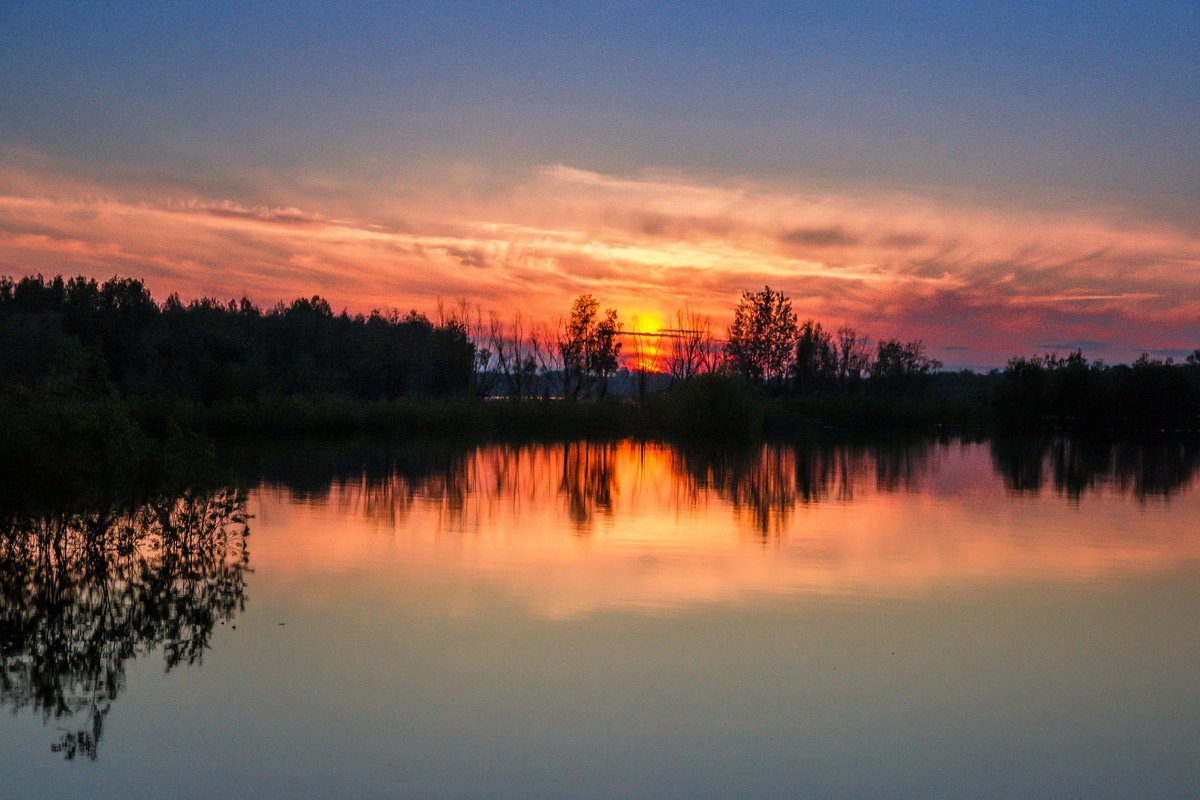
{"points": [[577, 528]]}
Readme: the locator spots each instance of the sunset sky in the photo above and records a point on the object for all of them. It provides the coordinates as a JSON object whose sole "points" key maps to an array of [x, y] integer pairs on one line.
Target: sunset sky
{"points": [[995, 179]]}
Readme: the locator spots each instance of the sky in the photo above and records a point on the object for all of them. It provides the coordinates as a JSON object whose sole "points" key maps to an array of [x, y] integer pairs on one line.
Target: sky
{"points": [[992, 178]]}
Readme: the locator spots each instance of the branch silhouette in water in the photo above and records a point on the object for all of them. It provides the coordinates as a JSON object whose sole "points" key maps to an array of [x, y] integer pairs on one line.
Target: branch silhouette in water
{"points": [[81, 594]]}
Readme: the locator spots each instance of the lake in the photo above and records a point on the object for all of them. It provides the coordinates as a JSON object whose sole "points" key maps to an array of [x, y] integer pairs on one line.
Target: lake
{"points": [[933, 619]]}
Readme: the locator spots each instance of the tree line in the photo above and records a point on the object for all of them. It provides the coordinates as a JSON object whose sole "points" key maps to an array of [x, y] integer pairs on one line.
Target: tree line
{"points": [[1070, 392], [765, 346], [77, 337]]}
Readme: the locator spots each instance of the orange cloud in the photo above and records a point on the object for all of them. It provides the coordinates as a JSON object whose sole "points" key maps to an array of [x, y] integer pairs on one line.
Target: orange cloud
{"points": [[990, 281]]}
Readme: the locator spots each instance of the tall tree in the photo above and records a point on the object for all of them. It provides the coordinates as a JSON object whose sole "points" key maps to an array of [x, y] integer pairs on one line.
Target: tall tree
{"points": [[815, 366], [853, 357], [588, 347], [901, 366], [762, 337]]}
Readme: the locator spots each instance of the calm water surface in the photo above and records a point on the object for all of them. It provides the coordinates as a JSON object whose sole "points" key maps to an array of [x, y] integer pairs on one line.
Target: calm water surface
{"points": [[618, 620]]}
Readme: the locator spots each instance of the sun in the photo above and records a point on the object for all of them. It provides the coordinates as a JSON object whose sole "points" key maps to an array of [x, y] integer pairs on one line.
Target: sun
{"points": [[646, 322], [644, 342]]}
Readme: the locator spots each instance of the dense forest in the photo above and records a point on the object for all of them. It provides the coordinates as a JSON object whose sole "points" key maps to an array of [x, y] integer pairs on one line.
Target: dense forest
{"points": [[88, 367], [80, 335]]}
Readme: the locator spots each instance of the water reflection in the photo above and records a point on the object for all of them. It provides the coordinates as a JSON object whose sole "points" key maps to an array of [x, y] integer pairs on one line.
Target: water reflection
{"points": [[664, 526], [1142, 468], [570, 529], [83, 593], [588, 480], [763, 483]]}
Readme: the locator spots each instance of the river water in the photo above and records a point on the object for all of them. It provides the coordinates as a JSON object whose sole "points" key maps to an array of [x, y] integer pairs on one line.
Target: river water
{"points": [[937, 619]]}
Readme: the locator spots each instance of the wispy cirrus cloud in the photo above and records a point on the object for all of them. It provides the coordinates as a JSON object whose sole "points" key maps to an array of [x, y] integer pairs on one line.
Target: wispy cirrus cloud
{"points": [[996, 281]]}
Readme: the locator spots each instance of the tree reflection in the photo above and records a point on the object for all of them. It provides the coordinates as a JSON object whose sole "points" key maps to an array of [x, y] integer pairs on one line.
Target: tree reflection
{"points": [[1144, 468], [755, 480], [83, 593], [823, 473], [901, 465], [588, 480], [1021, 462], [764, 484], [1158, 468], [1079, 465]]}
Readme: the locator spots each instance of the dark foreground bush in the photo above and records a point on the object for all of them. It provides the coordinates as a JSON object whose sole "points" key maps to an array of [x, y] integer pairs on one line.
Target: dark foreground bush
{"points": [[455, 418], [719, 406], [58, 451]]}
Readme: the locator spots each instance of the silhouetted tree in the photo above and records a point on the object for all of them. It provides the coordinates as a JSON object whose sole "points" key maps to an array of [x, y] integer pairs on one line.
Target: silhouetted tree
{"points": [[1020, 397], [1078, 394], [690, 346], [1153, 394], [762, 338], [1069, 393], [853, 358], [901, 367], [816, 362], [588, 347]]}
